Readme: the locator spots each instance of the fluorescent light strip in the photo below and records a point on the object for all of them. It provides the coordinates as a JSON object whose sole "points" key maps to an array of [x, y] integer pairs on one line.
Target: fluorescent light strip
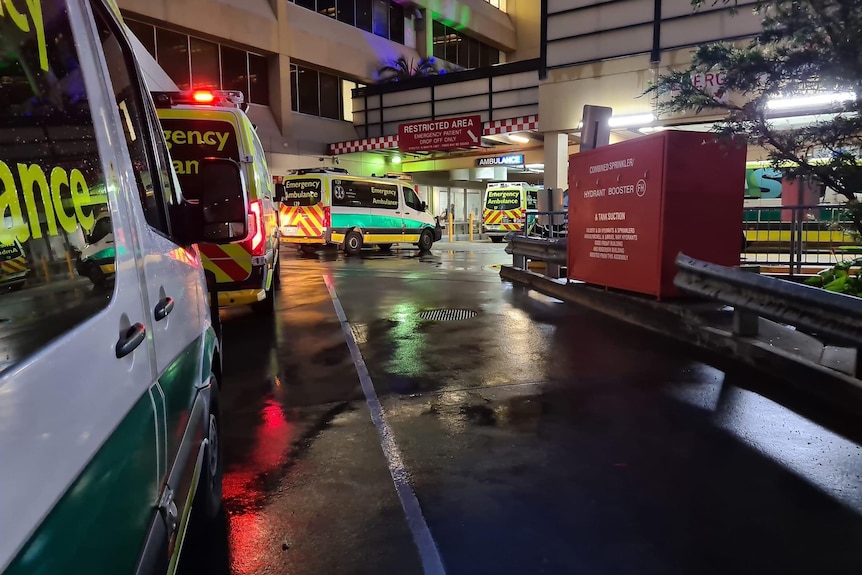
{"points": [[629, 121], [810, 101]]}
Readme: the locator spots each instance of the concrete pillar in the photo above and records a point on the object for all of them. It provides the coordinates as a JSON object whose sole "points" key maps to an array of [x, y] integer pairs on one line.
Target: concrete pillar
{"points": [[279, 92], [556, 175], [424, 29]]}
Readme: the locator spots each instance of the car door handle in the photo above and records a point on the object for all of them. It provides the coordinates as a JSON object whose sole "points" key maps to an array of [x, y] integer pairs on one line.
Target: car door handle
{"points": [[130, 340], [397, 212], [163, 308]]}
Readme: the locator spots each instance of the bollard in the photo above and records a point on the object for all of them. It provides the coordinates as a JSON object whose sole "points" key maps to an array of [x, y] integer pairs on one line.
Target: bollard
{"points": [[451, 227], [45, 270], [71, 267], [470, 220]]}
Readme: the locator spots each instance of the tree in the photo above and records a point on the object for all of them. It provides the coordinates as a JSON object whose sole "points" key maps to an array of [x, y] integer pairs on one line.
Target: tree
{"points": [[805, 48], [403, 69]]}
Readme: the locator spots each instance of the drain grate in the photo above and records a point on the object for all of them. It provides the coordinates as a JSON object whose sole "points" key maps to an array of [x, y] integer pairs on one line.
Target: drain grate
{"points": [[448, 314]]}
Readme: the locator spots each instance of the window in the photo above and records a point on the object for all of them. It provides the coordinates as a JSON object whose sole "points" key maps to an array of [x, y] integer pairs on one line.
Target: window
{"points": [[364, 19], [309, 92], [364, 194], [396, 22], [347, 88], [347, 11], [205, 64], [151, 169], [439, 40], [330, 96], [145, 33], [412, 200], [294, 87], [320, 94], [304, 192], [384, 18], [172, 53], [258, 79], [381, 18], [326, 7], [196, 63], [54, 187], [234, 69], [462, 50]]}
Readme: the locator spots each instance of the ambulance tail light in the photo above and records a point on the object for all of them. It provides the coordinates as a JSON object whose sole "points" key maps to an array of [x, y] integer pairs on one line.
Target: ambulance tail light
{"points": [[327, 218], [255, 243]]}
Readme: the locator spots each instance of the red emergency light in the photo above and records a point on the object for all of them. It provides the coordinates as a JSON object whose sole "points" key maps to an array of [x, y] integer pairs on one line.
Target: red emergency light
{"points": [[203, 97]]}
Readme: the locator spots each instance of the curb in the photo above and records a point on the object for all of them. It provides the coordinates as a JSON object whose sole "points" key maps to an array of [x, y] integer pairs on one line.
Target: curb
{"points": [[682, 324]]}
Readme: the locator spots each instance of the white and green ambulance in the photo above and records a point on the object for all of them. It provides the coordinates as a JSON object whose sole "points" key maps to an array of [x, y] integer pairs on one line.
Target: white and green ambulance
{"points": [[320, 207], [109, 411]]}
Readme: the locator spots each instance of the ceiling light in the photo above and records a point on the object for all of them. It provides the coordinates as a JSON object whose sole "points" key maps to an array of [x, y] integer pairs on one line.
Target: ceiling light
{"points": [[810, 101], [630, 121], [539, 167], [519, 139]]}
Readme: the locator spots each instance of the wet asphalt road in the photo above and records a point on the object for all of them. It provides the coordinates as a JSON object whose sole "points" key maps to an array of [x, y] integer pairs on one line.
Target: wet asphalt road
{"points": [[538, 437]]}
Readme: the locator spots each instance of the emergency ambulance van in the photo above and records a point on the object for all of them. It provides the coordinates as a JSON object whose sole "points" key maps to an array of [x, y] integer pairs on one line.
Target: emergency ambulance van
{"points": [[13, 266], [203, 124], [320, 207], [506, 206], [109, 398]]}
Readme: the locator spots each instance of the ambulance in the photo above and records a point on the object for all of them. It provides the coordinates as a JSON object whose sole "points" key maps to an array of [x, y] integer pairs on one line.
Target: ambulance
{"points": [[329, 206], [506, 205], [13, 266], [201, 124], [111, 423]]}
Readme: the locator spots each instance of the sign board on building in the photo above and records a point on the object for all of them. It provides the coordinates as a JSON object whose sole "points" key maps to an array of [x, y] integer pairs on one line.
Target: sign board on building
{"points": [[635, 205], [443, 134], [508, 160]]}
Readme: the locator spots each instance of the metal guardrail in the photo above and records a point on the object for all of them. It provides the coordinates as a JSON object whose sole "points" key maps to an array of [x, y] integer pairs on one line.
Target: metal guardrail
{"points": [[551, 249], [546, 250], [811, 309]]}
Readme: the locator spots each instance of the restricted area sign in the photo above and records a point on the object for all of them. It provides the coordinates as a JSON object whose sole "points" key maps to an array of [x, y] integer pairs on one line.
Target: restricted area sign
{"points": [[635, 205], [444, 134]]}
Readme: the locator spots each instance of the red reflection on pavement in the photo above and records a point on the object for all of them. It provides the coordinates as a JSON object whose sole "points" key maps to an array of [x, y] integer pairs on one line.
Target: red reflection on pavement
{"points": [[243, 489]]}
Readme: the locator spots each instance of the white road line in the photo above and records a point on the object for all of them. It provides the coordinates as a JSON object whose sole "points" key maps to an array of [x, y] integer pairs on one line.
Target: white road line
{"points": [[432, 564]]}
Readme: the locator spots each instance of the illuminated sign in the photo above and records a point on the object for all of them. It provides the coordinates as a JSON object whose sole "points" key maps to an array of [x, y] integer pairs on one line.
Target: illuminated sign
{"points": [[510, 160]]}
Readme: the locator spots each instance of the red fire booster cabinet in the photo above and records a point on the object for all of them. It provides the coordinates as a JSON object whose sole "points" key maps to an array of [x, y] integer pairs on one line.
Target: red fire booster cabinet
{"points": [[634, 205]]}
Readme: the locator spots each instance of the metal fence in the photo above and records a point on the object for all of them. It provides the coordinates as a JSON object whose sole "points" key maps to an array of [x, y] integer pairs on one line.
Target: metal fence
{"points": [[794, 237]]}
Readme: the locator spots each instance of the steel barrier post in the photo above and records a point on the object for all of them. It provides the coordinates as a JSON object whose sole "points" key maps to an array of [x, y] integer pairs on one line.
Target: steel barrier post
{"points": [[470, 223]]}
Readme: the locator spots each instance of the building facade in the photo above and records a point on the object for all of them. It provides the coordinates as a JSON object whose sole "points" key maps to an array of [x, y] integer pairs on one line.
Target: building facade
{"points": [[298, 61]]}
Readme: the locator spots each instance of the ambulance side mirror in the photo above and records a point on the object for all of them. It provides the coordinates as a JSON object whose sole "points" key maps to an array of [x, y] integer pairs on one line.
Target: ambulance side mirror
{"points": [[423, 206], [217, 211], [279, 192]]}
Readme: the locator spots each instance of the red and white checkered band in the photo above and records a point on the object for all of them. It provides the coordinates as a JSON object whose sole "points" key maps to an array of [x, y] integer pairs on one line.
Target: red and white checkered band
{"points": [[522, 124], [495, 128], [366, 145]]}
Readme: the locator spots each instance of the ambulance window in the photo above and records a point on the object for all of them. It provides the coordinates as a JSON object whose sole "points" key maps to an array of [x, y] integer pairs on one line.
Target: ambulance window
{"points": [[153, 180], [412, 200], [53, 186]]}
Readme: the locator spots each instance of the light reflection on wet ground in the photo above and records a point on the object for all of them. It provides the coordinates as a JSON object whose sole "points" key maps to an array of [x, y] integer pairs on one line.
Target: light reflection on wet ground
{"points": [[539, 438]]}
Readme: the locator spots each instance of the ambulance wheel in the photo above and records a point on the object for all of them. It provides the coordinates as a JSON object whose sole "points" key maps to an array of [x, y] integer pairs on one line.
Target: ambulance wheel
{"points": [[208, 498], [496, 239], [426, 240], [384, 247], [352, 243], [308, 250]]}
